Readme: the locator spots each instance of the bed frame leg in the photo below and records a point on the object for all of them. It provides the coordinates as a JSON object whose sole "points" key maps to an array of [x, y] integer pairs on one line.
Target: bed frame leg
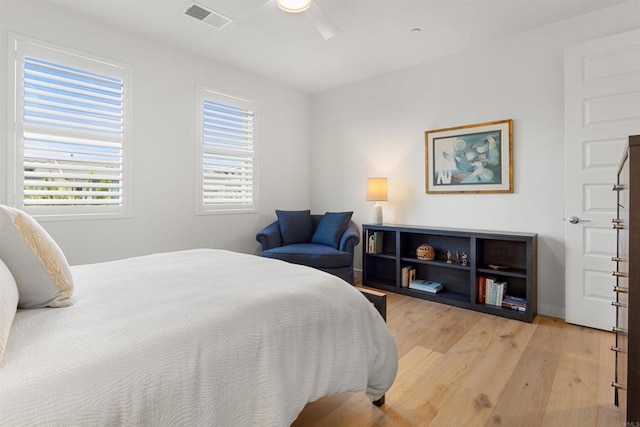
{"points": [[379, 301], [379, 402]]}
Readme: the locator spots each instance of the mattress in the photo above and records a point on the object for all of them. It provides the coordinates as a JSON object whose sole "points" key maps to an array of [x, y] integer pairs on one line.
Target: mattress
{"points": [[198, 337]]}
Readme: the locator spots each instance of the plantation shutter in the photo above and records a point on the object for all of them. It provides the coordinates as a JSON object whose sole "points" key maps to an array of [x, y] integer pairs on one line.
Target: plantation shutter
{"points": [[72, 116], [228, 173]]}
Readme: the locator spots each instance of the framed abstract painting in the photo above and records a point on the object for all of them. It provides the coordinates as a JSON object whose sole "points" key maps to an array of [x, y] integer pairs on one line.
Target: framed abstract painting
{"points": [[474, 158]]}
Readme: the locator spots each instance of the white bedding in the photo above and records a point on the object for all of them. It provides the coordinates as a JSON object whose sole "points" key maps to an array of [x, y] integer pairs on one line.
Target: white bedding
{"points": [[199, 337]]}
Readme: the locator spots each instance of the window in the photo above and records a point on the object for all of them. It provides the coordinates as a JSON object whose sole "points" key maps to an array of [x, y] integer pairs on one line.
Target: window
{"points": [[69, 132], [226, 147]]}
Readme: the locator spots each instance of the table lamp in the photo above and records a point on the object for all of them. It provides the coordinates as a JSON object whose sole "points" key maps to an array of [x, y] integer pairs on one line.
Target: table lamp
{"points": [[377, 192]]}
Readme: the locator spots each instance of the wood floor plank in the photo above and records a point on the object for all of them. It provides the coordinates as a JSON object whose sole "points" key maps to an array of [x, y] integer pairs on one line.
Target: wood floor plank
{"points": [[355, 410], [318, 410], [412, 367], [577, 371], [492, 371], [438, 326], [466, 407], [525, 396]]}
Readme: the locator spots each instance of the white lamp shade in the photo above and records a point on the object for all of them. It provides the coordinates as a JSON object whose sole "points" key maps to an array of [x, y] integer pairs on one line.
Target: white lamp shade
{"points": [[293, 6], [377, 189]]}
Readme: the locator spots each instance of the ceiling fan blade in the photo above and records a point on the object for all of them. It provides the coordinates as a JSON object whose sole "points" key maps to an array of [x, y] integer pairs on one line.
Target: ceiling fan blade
{"points": [[322, 21]]}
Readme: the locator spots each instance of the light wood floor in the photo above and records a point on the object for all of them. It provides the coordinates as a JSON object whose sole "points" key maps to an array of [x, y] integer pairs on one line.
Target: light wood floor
{"points": [[462, 368]]}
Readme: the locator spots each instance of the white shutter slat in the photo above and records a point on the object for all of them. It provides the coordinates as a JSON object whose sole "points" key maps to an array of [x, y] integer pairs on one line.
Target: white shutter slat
{"points": [[237, 127], [70, 81], [62, 177], [225, 108], [82, 183], [69, 70], [78, 195], [69, 201], [216, 138], [51, 103], [31, 93], [75, 92], [78, 115], [230, 117], [39, 133], [63, 166], [214, 132], [65, 159], [54, 122], [35, 152]]}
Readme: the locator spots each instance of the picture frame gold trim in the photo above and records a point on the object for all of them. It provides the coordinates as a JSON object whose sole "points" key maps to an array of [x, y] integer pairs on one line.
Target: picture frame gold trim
{"points": [[476, 158]]}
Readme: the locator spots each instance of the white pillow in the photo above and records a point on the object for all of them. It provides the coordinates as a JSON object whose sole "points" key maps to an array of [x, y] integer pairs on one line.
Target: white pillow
{"points": [[37, 263], [8, 304]]}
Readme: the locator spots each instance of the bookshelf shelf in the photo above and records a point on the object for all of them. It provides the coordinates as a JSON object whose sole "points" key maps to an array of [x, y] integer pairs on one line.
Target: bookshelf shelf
{"points": [[388, 256], [397, 244], [506, 273], [443, 264]]}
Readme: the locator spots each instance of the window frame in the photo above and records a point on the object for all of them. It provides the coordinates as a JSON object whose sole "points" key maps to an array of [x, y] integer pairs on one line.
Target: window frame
{"points": [[18, 46], [206, 93]]}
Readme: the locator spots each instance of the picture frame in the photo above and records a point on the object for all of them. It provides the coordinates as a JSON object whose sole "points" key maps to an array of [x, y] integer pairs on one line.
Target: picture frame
{"points": [[475, 158]]}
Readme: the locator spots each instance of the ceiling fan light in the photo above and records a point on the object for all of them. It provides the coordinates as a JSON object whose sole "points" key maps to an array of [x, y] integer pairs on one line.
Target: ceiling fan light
{"points": [[293, 6]]}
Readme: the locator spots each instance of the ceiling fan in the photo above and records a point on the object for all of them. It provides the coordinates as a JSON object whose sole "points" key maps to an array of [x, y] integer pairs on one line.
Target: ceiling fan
{"points": [[309, 8]]}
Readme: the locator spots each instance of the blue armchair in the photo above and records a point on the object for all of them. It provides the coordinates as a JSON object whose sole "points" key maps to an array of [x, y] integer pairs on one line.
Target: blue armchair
{"points": [[325, 242]]}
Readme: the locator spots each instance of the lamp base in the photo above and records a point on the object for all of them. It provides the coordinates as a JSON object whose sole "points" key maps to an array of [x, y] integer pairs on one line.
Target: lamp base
{"points": [[377, 214]]}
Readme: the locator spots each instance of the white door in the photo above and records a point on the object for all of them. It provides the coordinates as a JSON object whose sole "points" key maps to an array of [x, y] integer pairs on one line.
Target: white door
{"points": [[602, 108]]}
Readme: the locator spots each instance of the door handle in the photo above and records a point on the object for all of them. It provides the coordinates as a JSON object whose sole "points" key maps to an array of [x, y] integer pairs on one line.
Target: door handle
{"points": [[575, 220]]}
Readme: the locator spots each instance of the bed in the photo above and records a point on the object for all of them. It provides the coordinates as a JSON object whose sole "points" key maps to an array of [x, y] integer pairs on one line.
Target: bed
{"points": [[196, 337]]}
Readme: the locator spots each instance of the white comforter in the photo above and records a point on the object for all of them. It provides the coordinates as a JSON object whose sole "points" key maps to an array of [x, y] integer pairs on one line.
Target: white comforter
{"points": [[201, 337]]}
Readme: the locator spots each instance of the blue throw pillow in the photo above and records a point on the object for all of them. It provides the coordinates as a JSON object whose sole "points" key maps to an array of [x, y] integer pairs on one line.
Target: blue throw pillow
{"points": [[295, 226], [331, 227]]}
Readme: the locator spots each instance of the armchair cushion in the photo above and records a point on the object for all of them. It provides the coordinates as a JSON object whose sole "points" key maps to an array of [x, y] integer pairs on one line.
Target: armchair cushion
{"points": [[295, 226], [330, 228], [311, 254]]}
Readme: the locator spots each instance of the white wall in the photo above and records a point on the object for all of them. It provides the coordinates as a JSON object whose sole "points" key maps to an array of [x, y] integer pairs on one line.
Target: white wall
{"points": [[164, 137], [376, 128]]}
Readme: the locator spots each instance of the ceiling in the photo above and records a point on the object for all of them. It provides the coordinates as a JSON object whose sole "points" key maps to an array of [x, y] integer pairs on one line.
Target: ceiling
{"points": [[375, 35]]}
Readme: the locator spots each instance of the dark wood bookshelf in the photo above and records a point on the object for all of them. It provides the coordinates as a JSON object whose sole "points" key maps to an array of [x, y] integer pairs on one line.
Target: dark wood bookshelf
{"points": [[627, 289], [516, 250]]}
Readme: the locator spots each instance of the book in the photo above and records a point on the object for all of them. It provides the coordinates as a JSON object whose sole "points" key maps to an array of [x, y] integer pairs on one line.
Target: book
{"points": [[515, 303], [488, 290], [515, 300], [426, 285], [502, 287], [494, 292], [374, 242], [406, 272], [481, 290], [515, 307]]}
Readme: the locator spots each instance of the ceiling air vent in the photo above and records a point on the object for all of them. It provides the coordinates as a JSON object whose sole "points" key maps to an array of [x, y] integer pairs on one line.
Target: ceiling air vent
{"points": [[207, 16]]}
